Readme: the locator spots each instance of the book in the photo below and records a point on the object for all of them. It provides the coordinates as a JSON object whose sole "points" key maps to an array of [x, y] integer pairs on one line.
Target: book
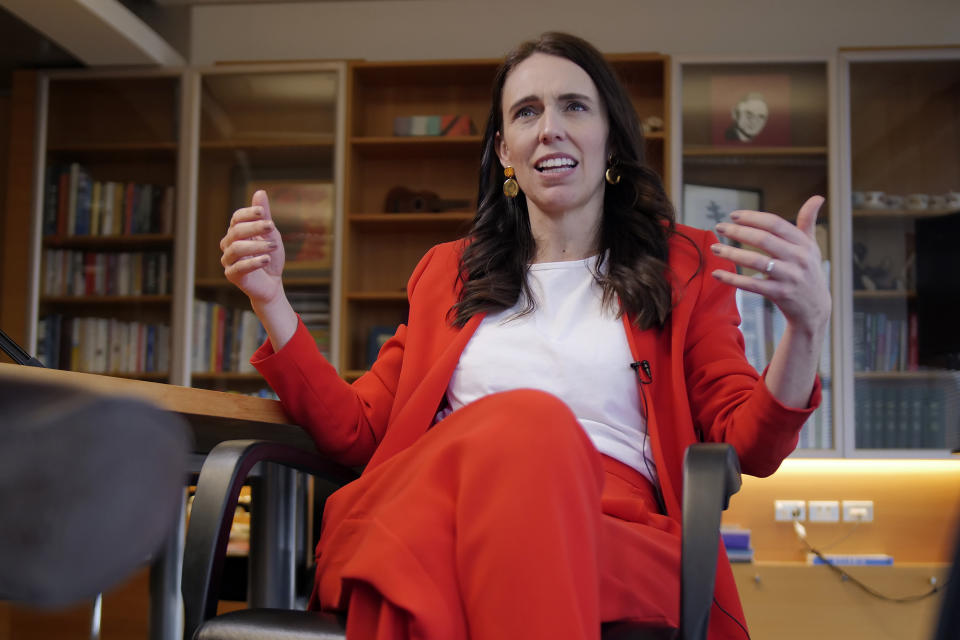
{"points": [[73, 181], [735, 538], [740, 555], [852, 559], [51, 200]]}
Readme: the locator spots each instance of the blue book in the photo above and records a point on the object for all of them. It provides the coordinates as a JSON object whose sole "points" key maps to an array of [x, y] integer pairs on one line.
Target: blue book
{"points": [[735, 538], [853, 559], [740, 555]]}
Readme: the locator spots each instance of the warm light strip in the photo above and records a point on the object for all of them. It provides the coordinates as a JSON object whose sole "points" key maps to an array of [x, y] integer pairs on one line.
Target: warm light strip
{"points": [[850, 466]]}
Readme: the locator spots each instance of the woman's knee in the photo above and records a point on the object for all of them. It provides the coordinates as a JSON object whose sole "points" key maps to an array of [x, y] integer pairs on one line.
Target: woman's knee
{"points": [[531, 422]]}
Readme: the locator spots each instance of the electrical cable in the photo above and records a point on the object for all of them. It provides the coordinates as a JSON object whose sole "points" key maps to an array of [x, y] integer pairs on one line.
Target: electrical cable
{"points": [[802, 536], [732, 617], [842, 538]]}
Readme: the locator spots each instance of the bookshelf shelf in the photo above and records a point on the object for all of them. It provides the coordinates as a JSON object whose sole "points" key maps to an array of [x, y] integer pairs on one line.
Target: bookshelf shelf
{"points": [[111, 158], [383, 222], [393, 142], [306, 282], [709, 150], [226, 376], [377, 296], [141, 240], [299, 140], [155, 376], [221, 283], [106, 300], [936, 374], [898, 214], [114, 147], [892, 294]]}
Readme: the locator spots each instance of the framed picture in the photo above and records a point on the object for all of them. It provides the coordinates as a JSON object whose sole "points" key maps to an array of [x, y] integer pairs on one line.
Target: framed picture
{"points": [[303, 213], [750, 110], [704, 205]]}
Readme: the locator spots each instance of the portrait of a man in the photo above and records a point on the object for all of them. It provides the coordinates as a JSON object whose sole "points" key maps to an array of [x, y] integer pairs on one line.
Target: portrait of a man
{"points": [[750, 109], [750, 116]]}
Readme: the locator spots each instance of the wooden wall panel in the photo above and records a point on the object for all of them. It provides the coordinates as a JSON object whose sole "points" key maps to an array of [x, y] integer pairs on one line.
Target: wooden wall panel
{"points": [[17, 206], [916, 508]]}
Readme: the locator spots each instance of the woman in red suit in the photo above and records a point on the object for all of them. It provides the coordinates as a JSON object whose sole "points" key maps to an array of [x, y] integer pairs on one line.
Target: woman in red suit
{"points": [[523, 433]]}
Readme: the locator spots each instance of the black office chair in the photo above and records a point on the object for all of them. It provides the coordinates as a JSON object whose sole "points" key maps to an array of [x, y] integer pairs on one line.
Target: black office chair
{"points": [[711, 476]]}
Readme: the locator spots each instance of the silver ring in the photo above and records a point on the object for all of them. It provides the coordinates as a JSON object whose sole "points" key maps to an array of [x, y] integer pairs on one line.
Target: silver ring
{"points": [[769, 268]]}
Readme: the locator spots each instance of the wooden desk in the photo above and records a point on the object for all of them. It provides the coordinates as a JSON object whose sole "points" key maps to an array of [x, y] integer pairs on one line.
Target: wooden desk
{"points": [[214, 417], [792, 601]]}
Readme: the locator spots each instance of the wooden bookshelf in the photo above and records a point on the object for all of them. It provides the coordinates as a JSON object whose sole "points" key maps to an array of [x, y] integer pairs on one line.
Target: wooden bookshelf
{"points": [[109, 174], [274, 127]]}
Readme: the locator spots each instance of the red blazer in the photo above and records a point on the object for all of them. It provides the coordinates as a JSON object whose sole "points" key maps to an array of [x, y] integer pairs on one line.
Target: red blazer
{"points": [[703, 387]]}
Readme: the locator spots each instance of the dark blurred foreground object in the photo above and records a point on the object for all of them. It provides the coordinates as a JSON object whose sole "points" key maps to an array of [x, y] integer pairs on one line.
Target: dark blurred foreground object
{"points": [[90, 488]]}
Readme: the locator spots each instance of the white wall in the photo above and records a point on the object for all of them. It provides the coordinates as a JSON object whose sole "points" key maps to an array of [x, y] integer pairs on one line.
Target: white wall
{"points": [[425, 29]]}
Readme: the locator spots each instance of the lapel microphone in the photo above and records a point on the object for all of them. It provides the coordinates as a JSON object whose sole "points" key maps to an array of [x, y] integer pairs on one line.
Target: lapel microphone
{"points": [[644, 366]]}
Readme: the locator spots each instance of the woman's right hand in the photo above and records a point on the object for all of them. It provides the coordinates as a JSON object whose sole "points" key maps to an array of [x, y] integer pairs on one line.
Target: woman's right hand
{"points": [[253, 252]]}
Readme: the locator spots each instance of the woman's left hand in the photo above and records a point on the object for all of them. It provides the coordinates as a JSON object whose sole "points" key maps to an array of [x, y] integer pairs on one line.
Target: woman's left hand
{"points": [[793, 276]]}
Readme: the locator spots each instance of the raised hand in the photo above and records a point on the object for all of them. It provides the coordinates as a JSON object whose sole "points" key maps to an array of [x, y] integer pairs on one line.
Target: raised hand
{"points": [[793, 276], [253, 254]]}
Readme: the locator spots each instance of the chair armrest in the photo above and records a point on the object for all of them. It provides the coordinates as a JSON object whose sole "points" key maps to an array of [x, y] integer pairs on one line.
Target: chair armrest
{"points": [[711, 474], [223, 474]]}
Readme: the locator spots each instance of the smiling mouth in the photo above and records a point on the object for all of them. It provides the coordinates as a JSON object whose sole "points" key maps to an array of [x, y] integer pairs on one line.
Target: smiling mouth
{"points": [[556, 165]]}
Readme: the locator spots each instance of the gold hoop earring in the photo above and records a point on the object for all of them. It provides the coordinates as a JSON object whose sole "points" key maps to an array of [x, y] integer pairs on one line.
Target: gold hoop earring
{"points": [[510, 186], [612, 174]]}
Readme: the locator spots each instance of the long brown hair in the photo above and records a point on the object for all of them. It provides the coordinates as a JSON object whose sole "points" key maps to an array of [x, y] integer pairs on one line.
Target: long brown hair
{"points": [[636, 224]]}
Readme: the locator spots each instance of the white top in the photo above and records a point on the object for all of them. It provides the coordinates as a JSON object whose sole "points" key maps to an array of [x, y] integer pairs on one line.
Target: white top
{"points": [[570, 346]]}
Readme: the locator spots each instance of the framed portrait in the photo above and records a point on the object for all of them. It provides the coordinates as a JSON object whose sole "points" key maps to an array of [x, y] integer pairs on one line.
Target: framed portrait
{"points": [[705, 205], [750, 110], [303, 213]]}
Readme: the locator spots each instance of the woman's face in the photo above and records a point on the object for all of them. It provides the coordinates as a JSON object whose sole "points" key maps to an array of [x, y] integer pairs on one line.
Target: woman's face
{"points": [[554, 134]]}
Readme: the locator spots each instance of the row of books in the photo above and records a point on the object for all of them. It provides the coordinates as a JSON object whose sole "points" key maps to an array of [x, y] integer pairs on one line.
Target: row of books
{"points": [[903, 416], [314, 310], [77, 205], [224, 338], [817, 431], [884, 342], [68, 272], [103, 345]]}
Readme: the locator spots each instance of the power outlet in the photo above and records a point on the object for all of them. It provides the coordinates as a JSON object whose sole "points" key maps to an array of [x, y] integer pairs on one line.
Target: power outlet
{"points": [[789, 510], [824, 510], [858, 510]]}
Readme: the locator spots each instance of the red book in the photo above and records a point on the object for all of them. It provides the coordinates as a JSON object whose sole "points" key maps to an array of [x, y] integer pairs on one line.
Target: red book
{"points": [[128, 208], [90, 273], [913, 342]]}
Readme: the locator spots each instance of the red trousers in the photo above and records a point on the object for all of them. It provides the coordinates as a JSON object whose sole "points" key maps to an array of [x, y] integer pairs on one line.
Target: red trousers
{"points": [[502, 521]]}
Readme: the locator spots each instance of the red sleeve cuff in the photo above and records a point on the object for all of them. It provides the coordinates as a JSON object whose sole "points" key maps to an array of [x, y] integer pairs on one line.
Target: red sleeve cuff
{"points": [[299, 353]]}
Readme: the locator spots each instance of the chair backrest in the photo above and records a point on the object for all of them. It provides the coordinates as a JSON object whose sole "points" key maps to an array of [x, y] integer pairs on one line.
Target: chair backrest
{"points": [[704, 500]]}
